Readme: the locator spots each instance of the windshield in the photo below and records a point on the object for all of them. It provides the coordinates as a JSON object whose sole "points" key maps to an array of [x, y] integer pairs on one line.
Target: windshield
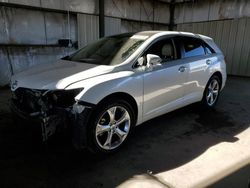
{"points": [[111, 50]]}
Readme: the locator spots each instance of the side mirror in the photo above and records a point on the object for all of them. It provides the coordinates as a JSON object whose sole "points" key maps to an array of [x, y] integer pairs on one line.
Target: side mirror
{"points": [[153, 60]]}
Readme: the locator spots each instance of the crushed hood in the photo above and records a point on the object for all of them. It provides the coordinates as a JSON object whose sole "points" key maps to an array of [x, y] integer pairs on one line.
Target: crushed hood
{"points": [[58, 75]]}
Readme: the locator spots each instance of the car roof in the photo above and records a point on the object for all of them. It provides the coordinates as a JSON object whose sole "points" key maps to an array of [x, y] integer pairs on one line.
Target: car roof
{"points": [[156, 34], [163, 33]]}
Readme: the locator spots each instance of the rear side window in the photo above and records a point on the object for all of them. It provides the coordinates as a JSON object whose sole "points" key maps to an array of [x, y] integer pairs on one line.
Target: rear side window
{"points": [[192, 47], [208, 49]]}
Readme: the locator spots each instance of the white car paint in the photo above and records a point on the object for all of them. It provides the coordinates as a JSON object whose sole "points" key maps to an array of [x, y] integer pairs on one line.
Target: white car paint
{"points": [[58, 75], [156, 91]]}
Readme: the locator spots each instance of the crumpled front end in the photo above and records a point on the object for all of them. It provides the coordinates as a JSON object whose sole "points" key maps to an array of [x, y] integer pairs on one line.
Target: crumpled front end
{"points": [[54, 110]]}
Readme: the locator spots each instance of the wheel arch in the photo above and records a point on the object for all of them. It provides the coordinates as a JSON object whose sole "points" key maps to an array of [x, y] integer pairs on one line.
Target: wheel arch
{"points": [[125, 96], [217, 73]]}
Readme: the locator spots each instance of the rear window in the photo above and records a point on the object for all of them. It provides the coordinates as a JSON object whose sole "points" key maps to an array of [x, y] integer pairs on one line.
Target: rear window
{"points": [[192, 47]]}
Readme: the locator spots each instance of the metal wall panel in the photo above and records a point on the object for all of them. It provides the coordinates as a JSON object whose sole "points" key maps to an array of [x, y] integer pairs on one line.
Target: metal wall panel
{"points": [[5, 68], [133, 26], [231, 45], [244, 60], [146, 10], [112, 26], [161, 13], [218, 34], [233, 38], [83, 6], [18, 58], [238, 47], [140, 10], [57, 27], [21, 26], [224, 43], [201, 11], [26, 2], [161, 27], [123, 9], [26, 27], [130, 26], [188, 12], [88, 28]]}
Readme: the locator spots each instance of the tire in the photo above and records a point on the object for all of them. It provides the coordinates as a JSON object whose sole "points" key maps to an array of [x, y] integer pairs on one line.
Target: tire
{"points": [[110, 126], [212, 92]]}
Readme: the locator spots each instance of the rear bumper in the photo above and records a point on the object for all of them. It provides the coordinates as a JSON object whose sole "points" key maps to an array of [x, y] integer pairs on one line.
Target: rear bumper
{"points": [[224, 79]]}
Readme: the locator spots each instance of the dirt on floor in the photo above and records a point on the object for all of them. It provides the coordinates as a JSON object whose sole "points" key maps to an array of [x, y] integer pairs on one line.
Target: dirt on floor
{"points": [[157, 146]]}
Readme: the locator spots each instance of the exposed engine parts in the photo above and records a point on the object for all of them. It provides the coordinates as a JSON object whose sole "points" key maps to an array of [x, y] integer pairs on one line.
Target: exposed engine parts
{"points": [[53, 109]]}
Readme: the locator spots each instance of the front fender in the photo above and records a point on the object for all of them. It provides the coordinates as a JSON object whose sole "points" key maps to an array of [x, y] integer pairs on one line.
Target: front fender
{"points": [[97, 88]]}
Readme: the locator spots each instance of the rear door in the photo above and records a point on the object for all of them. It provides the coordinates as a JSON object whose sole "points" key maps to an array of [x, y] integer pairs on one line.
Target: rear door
{"points": [[194, 53]]}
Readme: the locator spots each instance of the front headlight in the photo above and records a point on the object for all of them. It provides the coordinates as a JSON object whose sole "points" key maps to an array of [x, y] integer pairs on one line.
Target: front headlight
{"points": [[64, 98]]}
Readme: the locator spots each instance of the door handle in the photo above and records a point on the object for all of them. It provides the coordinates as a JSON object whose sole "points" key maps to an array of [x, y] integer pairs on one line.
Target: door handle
{"points": [[182, 69], [208, 62]]}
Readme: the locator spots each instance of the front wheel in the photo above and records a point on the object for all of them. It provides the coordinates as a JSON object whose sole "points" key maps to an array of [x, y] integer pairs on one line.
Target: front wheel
{"points": [[212, 92], [110, 126]]}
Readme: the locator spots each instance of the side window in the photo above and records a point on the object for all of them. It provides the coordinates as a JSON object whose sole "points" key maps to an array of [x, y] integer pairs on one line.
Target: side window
{"points": [[208, 49], [164, 49], [192, 47]]}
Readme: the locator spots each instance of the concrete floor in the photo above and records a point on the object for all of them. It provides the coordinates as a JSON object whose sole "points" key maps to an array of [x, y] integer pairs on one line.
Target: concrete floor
{"points": [[185, 148]]}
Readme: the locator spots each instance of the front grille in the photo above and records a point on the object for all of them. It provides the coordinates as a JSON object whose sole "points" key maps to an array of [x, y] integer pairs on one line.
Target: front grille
{"points": [[27, 99]]}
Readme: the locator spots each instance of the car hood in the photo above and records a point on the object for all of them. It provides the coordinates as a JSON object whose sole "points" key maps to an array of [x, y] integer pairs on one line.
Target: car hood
{"points": [[58, 75]]}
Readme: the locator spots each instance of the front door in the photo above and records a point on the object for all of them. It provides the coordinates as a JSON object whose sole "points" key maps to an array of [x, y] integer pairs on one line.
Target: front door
{"points": [[163, 83]]}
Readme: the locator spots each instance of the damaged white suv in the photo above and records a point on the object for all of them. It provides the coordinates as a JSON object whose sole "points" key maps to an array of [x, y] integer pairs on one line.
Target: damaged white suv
{"points": [[108, 87]]}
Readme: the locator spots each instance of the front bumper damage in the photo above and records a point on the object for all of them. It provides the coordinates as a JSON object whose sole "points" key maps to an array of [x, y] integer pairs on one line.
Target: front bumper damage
{"points": [[33, 105]]}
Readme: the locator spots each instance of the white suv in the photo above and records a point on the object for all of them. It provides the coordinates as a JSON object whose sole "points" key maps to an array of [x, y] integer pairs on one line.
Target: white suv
{"points": [[108, 87]]}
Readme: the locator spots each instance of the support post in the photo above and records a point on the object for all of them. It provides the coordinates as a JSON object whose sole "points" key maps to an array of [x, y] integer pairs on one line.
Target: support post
{"points": [[101, 19], [171, 12]]}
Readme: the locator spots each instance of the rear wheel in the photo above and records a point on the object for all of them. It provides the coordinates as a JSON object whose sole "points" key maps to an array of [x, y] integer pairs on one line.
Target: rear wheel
{"points": [[110, 126], [212, 92]]}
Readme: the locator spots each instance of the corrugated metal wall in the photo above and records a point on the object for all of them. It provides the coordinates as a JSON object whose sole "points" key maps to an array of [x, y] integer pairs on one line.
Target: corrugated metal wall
{"points": [[134, 26], [233, 37], [82, 6], [222, 20], [29, 37], [138, 10], [14, 59], [112, 26], [25, 26], [88, 28], [117, 25], [211, 10], [30, 29]]}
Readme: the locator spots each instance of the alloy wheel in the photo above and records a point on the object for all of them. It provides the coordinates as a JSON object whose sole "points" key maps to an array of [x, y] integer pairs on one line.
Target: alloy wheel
{"points": [[212, 92], [112, 127]]}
